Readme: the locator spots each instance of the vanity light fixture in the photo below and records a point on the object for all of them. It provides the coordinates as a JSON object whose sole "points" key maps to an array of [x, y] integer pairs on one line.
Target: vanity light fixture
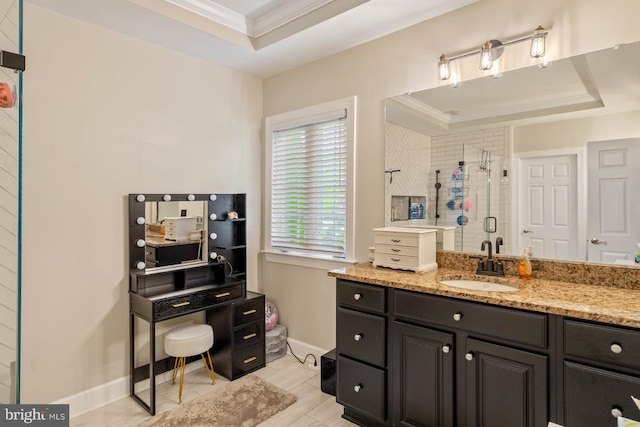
{"points": [[492, 50], [140, 220], [140, 265], [140, 198], [191, 197], [213, 236], [141, 243], [166, 197]]}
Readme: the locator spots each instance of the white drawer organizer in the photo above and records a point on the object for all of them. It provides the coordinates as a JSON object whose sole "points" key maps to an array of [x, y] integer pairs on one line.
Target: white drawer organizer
{"points": [[405, 248], [179, 228]]}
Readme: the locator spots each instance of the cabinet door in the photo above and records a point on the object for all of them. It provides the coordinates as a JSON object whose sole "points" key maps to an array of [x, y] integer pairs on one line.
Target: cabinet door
{"points": [[595, 397], [422, 377], [505, 386]]}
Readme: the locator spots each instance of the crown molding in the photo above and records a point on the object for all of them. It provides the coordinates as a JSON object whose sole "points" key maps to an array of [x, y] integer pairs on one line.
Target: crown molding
{"points": [[215, 12], [283, 13]]}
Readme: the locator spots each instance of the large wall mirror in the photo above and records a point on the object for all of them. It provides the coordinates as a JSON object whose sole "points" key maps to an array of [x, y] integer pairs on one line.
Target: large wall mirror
{"points": [[169, 231], [544, 157]]}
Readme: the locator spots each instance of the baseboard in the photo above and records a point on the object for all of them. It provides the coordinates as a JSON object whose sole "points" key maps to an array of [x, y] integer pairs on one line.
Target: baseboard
{"points": [[110, 392]]}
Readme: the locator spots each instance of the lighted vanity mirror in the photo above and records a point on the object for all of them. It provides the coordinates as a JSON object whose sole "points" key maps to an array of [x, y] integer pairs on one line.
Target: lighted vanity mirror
{"points": [[169, 231], [542, 157]]}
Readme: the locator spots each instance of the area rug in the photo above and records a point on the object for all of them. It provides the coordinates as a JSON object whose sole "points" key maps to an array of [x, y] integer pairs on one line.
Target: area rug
{"points": [[245, 402]]}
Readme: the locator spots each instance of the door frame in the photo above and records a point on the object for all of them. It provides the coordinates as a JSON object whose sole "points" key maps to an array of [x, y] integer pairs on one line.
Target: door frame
{"points": [[580, 153]]}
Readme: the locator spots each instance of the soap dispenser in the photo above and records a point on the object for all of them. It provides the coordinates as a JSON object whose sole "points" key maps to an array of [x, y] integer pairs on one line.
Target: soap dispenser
{"points": [[524, 265]]}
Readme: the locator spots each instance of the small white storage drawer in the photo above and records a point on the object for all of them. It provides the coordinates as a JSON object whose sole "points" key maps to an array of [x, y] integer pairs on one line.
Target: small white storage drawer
{"points": [[405, 248], [397, 250]]}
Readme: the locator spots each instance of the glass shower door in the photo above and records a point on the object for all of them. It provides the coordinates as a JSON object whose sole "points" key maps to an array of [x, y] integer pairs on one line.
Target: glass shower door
{"points": [[10, 155]]}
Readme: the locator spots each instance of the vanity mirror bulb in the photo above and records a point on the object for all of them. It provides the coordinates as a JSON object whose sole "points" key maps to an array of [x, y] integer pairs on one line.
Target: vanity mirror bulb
{"points": [[166, 197], [191, 197], [213, 217], [140, 220], [140, 198], [140, 243], [213, 236], [213, 255], [140, 265], [213, 197]]}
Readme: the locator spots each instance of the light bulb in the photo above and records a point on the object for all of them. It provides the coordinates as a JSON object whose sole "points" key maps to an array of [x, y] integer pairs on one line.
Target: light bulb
{"points": [[538, 43], [486, 61], [444, 70]]}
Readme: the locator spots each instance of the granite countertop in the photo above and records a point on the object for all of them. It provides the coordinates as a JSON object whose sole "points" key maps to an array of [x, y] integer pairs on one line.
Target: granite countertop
{"points": [[608, 304]]}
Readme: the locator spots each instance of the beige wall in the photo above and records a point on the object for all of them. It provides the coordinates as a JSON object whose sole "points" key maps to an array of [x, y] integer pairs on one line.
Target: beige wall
{"points": [[106, 115], [402, 62], [576, 133]]}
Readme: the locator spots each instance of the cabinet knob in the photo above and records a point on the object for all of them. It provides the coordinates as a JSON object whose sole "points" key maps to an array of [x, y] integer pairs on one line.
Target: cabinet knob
{"points": [[616, 348], [357, 297], [357, 337], [446, 348], [616, 412], [457, 317], [469, 356], [357, 388]]}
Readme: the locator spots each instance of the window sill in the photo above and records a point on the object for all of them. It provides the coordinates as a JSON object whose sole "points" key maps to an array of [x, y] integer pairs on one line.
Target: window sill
{"points": [[302, 260]]}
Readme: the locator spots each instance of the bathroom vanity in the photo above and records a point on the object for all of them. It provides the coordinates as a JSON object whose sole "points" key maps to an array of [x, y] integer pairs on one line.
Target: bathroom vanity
{"points": [[414, 352]]}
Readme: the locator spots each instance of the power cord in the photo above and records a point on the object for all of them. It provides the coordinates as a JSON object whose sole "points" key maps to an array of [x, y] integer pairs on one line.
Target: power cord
{"points": [[315, 361], [221, 258]]}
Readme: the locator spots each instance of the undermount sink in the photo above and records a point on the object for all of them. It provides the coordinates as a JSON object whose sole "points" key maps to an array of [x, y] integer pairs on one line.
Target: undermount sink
{"points": [[479, 286]]}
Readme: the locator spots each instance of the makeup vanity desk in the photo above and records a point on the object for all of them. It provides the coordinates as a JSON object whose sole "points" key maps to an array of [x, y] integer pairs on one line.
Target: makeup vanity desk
{"points": [[230, 309]]}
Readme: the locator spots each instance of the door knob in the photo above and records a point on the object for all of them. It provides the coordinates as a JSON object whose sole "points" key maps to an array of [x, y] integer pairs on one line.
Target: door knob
{"points": [[469, 356], [357, 388], [598, 241], [357, 297], [616, 412], [446, 348], [525, 231], [357, 337], [457, 317]]}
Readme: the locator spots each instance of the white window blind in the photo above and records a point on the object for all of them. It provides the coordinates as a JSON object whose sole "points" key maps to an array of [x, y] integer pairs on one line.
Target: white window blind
{"points": [[309, 188]]}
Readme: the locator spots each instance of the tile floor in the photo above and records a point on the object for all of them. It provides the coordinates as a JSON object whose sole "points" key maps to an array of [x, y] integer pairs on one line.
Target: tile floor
{"points": [[312, 409]]}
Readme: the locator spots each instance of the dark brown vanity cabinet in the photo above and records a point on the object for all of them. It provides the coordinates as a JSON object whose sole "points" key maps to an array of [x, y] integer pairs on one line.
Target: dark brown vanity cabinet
{"points": [[238, 346], [458, 363], [601, 371], [445, 363], [361, 347], [423, 380]]}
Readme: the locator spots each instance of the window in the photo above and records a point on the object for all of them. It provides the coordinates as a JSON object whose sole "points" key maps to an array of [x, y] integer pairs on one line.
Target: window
{"points": [[309, 185]]}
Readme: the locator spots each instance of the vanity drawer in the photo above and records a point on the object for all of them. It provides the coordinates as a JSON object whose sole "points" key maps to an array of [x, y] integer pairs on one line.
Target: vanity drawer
{"points": [[245, 361], [503, 323], [592, 395], [361, 296], [362, 387], [166, 308], [249, 311], [601, 343], [362, 336], [411, 251], [248, 335]]}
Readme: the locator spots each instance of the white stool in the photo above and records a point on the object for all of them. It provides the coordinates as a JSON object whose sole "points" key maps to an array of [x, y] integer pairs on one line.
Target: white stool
{"points": [[184, 341]]}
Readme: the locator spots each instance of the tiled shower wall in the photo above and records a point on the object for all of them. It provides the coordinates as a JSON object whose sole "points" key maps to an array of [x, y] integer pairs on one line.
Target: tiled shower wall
{"points": [[410, 153], [419, 156]]}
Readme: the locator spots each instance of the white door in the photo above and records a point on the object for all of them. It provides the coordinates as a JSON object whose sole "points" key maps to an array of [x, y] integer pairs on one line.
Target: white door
{"points": [[613, 232], [548, 214]]}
